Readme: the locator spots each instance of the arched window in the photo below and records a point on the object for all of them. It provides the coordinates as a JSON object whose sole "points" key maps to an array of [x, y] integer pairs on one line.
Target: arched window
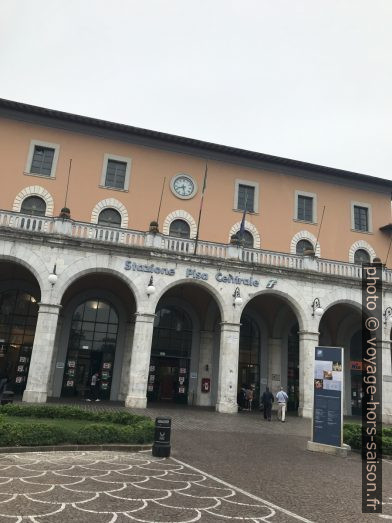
{"points": [[180, 229], [18, 319], [109, 218], [302, 246], [172, 333], [94, 326], [33, 205], [361, 256], [246, 239], [91, 348]]}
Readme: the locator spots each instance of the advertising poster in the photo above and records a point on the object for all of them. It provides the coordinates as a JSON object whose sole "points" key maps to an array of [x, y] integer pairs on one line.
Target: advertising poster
{"points": [[328, 396]]}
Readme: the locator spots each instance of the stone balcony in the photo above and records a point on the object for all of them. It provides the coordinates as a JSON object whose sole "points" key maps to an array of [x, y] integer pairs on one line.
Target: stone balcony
{"points": [[167, 244]]}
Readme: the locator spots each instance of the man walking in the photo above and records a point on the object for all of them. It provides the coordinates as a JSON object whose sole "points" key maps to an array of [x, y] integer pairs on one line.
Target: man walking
{"points": [[282, 399], [267, 400]]}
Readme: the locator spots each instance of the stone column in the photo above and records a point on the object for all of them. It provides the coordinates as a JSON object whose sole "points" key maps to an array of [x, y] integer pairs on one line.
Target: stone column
{"points": [[140, 360], [274, 364], [205, 360], [42, 355], [126, 363], [307, 342], [228, 367], [385, 346]]}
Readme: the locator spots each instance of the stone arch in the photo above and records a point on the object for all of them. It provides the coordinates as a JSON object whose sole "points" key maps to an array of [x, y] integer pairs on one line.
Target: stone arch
{"points": [[110, 203], [298, 308], [180, 215], [36, 265], [361, 244], [85, 266], [34, 190], [305, 235], [342, 301], [203, 284], [250, 228]]}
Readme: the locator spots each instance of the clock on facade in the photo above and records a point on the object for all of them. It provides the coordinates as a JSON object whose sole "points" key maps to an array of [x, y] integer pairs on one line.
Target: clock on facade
{"points": [[183, 186]]}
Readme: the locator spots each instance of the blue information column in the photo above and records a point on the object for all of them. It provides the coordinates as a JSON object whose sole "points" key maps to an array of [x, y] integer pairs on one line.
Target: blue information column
{"points": [[328, 396]]}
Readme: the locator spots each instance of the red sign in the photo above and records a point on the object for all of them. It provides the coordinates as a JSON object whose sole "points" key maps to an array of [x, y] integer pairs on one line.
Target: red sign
{"points": [[356, 365]]}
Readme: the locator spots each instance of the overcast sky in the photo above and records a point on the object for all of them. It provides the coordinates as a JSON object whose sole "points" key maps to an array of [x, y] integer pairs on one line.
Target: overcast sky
{"points": [[303, 79]]}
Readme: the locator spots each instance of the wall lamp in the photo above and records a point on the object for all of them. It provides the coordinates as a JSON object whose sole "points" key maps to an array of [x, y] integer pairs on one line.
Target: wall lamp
{"points": [[317, 309], [387, 314], [52, 278], [237, 300], [150, 287]]}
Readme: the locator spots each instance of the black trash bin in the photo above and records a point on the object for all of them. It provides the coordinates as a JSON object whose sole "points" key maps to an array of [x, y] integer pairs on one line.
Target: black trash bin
{"points": [[161, 446], [7, 397]]}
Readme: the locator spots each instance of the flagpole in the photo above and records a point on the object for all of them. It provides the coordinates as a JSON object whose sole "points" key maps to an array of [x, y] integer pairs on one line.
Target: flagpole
{"points": [[160, 201], [318, 234], [242, 225], [201, 207]]}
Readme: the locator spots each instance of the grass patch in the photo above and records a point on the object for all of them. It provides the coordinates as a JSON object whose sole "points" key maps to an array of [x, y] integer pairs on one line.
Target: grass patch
{"points": [[35, 425]]}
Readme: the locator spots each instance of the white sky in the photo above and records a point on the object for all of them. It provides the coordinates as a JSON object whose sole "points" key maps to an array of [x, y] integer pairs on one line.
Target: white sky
{"points": [[303, 79]]}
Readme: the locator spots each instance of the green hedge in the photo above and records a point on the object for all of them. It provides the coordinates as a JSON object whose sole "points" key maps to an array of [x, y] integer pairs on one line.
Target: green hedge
{"points": [[68, 412], [100, 427], [352, 435]]}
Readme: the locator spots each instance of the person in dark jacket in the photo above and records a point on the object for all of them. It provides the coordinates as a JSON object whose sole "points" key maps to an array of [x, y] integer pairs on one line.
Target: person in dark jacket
{"points": [[267, 400]]}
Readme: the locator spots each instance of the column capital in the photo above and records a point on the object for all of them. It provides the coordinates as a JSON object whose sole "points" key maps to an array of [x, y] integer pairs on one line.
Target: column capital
{"points": [[52, 308], [230, 325], [146, 317], [308, 334]]}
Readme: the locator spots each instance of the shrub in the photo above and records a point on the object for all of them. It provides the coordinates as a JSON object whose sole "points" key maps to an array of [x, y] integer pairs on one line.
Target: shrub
{"points": [[100, 427], [33, 434], [95, 433], [352, 435], [68, 412]]}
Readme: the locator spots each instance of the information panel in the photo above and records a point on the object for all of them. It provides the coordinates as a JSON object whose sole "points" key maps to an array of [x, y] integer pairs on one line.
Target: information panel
{"points": [[328, 396]]}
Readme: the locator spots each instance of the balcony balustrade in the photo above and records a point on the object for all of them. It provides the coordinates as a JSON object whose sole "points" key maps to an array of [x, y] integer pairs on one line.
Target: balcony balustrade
{"points": [[128, 237]]}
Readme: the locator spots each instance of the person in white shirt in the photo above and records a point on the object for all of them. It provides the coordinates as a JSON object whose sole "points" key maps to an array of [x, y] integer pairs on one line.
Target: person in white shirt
{"points": [[282, 399]]}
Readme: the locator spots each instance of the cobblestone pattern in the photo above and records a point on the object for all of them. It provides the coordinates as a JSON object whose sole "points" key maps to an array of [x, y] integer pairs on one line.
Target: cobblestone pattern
{"points": [[107, 487]]}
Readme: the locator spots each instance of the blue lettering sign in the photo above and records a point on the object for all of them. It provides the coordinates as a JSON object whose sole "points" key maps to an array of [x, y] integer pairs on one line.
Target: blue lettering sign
{"points": [[132, 266], [236, 280]]}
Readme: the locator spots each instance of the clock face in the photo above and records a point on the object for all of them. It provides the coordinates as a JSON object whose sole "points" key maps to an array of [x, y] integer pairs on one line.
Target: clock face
{"points": [[183, 186]]}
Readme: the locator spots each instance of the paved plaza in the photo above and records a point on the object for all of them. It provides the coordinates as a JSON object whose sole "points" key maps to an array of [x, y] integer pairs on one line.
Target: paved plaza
{"points": [[222, 468]]}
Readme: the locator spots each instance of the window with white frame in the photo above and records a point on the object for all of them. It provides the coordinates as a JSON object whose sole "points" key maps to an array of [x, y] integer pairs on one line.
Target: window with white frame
{"points": [[361, 218], [180, 229], [42, 159], [116, 172], [361, 256], [246, 196], [305, 206], [302, 246], [109, 218], [33, 205]]}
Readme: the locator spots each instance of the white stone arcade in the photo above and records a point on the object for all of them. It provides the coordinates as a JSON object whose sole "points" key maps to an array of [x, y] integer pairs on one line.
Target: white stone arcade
{"points": [[216, 337]]}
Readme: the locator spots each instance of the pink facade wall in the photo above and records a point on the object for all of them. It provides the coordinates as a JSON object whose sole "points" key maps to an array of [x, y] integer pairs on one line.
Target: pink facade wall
{"points": [[275, 220]]}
